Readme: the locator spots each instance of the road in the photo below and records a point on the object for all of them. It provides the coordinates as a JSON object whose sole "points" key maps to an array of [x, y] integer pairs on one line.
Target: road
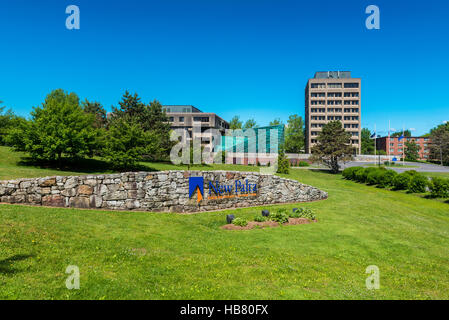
{"points": [[420, 167]]}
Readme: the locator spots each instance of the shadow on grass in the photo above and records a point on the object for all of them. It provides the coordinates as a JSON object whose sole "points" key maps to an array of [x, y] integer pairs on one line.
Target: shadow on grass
{"points": [[81, 165], [6, 265]]}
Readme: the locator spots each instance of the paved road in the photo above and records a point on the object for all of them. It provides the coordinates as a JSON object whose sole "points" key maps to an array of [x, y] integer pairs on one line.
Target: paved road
{"points": [[420, 167]]}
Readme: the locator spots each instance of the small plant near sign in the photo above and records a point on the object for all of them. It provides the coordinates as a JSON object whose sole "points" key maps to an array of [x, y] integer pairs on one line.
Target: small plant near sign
{"points": [[240, 222]]}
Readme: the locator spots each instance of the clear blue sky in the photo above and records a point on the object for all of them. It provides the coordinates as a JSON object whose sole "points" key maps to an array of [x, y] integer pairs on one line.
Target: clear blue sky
{"points": [[246, 57]]}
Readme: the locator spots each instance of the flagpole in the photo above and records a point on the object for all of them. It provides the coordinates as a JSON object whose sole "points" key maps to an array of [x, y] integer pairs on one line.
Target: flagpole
{"points": [[403, 145], [375, 143], [388, 143]]}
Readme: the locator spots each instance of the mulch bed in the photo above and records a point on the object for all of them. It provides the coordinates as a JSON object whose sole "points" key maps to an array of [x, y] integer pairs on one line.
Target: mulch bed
{"points": [[267, 224]]}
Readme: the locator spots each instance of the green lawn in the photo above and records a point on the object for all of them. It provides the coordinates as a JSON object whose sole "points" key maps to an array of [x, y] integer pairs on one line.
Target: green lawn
{"points": [[437, 174], [140, 255]]}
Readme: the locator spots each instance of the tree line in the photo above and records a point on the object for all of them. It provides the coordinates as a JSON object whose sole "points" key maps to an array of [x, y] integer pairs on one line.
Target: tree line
{"points": [[64, 130]]}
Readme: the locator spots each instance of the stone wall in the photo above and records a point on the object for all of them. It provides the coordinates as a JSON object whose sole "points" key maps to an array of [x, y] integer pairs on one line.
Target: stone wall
{"points": [[165, 191]]}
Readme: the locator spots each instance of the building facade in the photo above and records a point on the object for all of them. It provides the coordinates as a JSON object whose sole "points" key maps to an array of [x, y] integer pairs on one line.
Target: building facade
{"points": [[329, 96], [395, 147], [189, 117], [254, 146]]}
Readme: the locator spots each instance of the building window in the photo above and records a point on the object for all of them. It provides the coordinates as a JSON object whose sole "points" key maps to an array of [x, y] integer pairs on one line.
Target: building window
{"points": [[351, 85], [318, 85], [201, 119], [334, 85], [181, 119], [171, 119]]}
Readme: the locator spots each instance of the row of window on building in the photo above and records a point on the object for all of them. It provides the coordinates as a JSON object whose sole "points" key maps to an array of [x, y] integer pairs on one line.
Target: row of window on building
{"points": [[353, 133], [333, 118], [335, 85], [353, 141], [334, 94], [196, 119], [322, 110], [334, 102]]}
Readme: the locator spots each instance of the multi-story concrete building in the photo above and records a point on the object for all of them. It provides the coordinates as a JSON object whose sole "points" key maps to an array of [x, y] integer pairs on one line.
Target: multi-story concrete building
{"points": [[333, 95], [395, 147], [187, 117]]}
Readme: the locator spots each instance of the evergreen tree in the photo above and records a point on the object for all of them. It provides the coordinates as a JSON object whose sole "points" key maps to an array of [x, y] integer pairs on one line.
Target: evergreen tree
{"points": [[283, 162], [440, 143], [126, 143], [333, 145], [411, 150], [98, 111]]}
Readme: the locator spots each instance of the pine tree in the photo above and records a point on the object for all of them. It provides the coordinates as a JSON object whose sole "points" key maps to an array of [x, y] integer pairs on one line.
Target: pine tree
{"points": [[333, 145]]}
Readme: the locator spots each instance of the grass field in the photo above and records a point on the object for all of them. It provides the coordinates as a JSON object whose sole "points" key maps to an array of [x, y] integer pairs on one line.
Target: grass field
{"points": [[140, 255]]}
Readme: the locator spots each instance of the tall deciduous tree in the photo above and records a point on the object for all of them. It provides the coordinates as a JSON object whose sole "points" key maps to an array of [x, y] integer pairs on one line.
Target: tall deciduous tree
{"points": [[333, 145], [367, 142], [276, 122], [294, 135], [235, 123], [406, 133], [57, 129], [250, 123]]}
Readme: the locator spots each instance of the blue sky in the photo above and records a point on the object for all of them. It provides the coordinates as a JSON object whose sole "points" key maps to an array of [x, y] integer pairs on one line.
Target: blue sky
{"points": [[250, 58]]}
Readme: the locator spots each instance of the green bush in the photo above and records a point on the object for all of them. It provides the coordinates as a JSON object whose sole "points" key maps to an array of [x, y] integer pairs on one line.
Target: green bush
{"points": [[401, 181], [418, 184], [411, 172], [374, 176], [386, 178], [439, 187], [303, 213], [280, 216], [260, 218], [303, 164], [240, 222], [360, 174], [349, 173]]}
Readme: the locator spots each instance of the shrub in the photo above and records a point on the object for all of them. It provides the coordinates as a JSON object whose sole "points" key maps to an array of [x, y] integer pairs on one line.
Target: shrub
{"points": [[349, 173], [360, 174], [240, 222], [280, 216], [418, 184], [374, 176], [303, 213], [439, 187], [260, 219], [411, 172], [386, 179], [401, 181], [303, 164]]}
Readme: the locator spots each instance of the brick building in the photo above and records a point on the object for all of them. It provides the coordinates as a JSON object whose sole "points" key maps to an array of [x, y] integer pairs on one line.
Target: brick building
{"points": [[394, 147]]}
